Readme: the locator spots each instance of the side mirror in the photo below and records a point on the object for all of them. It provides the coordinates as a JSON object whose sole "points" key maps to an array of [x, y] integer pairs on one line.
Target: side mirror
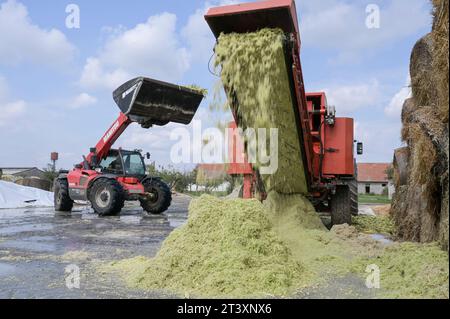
{"points": [[78, 166], [359, 148], [94, 160], [147, 155]]}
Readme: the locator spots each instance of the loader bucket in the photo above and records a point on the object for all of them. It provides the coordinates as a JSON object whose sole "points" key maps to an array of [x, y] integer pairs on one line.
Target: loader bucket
{"points": [[251, 17], [151, 102]]}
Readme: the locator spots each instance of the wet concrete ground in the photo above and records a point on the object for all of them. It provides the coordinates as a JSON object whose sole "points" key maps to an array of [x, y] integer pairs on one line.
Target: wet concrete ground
{"points": [[37, 244]]}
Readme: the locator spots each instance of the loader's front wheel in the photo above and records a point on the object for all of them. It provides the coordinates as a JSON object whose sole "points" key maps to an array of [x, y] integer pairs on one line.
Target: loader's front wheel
{"points": [[107, 197], [62, 200], [341, 206], [158, 196]]}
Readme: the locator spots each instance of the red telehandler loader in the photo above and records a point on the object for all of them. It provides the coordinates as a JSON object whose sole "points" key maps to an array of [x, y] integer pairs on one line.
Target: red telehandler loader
{"points": [[108, 177]]}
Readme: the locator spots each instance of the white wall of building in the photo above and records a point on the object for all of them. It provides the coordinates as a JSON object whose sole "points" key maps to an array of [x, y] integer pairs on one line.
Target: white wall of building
{"points": [[374, 188], [199, 188]]}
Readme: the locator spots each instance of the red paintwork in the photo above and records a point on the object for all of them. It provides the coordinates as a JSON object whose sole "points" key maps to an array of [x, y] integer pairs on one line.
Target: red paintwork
{"points": [[248, 183], [248, 17], [131, 185], [54, 156], [238, 160], [82, 178], [339, 137], [236, 152], [317, 140], [112, 134]]}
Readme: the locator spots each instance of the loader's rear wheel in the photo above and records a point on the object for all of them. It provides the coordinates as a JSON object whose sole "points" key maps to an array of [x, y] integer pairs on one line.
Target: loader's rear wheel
{"points": [[107, 197], [341, 207], [159, 196], [62, 200]]}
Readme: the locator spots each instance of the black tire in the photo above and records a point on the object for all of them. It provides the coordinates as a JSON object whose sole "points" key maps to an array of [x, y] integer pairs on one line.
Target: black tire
{"points": [[107, 197], [62, 200], [354, 197], [341, 206], [161, 197]]}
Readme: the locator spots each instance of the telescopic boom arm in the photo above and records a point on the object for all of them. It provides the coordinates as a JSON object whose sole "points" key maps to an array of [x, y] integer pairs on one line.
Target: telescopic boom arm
{"points": [[147, 102], [112, 134]]}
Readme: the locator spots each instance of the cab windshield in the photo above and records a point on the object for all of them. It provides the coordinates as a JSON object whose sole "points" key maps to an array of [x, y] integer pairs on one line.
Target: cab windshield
{"points": [[112, 163], [133, 163], [130, 163]]}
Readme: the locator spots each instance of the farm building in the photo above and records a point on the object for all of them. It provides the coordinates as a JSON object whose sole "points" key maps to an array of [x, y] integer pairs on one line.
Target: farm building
{"points": [[22, 172], [373, 178], [211, 177]]}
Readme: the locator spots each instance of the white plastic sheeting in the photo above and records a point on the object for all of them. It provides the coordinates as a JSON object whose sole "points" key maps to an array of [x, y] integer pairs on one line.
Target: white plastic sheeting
{"points": [[17, 196]]}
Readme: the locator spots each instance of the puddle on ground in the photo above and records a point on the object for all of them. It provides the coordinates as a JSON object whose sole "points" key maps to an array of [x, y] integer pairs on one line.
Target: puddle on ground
{"points": [[177, 222], [382, 239], [131, 219], [18, 213], [6, 270], [28, 245], [10, 230]]}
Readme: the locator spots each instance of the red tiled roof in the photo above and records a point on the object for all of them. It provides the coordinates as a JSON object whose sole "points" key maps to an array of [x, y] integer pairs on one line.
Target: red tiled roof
{"points": [[372, 172]]}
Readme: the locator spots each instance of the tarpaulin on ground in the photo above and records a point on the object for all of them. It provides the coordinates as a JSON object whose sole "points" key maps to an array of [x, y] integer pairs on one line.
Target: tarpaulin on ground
{"points": [[17, 196]]}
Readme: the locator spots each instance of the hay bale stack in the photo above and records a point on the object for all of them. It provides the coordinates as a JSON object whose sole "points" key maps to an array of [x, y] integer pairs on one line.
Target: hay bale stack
{"points": [[421, 72], [401, 161], [440, 55], [420, 205], [35, 182]]}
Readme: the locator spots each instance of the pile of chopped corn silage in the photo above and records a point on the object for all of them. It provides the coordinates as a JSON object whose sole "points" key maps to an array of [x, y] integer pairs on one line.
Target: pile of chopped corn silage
{"points": [[245, 248], [255, 76]]}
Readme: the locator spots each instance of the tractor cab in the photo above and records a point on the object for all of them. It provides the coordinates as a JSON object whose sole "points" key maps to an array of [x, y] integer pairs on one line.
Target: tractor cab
{"points": [[122, 162]]}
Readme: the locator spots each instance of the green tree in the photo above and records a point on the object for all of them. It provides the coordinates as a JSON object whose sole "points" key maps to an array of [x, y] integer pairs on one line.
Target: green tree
{"points": [[49, 173]]}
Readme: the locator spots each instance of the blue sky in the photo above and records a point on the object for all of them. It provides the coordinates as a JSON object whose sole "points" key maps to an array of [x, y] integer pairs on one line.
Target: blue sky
{"points": [[56, 83]]}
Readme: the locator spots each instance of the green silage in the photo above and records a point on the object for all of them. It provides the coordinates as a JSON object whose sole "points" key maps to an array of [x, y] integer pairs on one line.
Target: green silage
{"points": [[226, 249], [242, 248], [255, 77], [410, 270], [374, 224]]}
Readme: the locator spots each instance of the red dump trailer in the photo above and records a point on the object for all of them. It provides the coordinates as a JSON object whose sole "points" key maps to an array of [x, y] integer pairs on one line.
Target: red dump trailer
{"points": [[326, 141]]}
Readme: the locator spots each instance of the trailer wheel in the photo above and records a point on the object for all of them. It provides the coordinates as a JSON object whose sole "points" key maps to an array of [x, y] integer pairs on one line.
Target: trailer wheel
{"points": [[354, 197], [159, 198], [62, 200], [107, 197], [341, 211]]}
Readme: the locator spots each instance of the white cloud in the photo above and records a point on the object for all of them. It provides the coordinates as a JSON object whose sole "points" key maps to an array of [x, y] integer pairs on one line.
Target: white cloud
{"points": [[82, 100], [394, 109], [339, 25], [155, 138], [197, 33], [380, 139], [24, 42], [93, 75], [350, 98], [3, 88], [11, 111], [151, 49]]}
